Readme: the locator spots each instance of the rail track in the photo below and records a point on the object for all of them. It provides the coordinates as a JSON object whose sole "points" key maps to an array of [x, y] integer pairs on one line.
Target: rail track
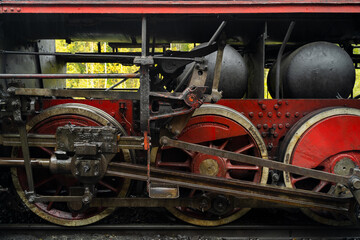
{"points": [[161, 231]]}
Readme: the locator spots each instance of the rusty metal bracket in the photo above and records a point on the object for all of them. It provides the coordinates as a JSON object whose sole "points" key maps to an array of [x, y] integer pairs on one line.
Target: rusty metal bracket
{"points": [[190, 99]]}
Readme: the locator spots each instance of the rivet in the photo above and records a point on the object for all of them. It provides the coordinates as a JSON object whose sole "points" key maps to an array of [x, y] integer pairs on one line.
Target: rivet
{"points": [[297, 114], [270, 114], [260, 102], [11, 9], [286, 102], [251, 114], [280, 102], [276, 134], [280, 126], [263, 106], [265, 126], [278, 114], [5, 9], [259, 126], [276, 106], [287, 114], [287, 125], [260, 114], [18, 9], [274, 125], [263, 134]]}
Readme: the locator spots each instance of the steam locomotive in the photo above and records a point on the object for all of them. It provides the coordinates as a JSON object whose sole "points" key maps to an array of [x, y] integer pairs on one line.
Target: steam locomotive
{"points": [[197, 137]]}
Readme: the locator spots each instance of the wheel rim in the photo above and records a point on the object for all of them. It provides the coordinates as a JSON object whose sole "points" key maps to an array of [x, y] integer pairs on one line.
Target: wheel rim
{"points": [[222, 128], [324, 140], [49, 184]]}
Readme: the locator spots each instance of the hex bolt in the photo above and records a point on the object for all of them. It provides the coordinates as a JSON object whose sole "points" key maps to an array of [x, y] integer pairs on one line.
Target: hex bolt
{"points": [[356, 183], [287, 114], [287, 125], [280, 126], [31, 198], [270, 114], [251, 114], [276, 106], [261, 114], [263, 106], [278, 114]]}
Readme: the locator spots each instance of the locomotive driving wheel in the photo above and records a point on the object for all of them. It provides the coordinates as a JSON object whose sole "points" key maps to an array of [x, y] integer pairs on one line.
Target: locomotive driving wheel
{"points": [[222, 128], [326, 140], [47, 183]]}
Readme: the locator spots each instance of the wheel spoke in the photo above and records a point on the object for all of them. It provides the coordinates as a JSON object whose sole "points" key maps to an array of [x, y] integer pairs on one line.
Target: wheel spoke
{"points": [[185, 164], [190, 153], [242, 167], [108, 186], [320, 186], [243, 149], [224, 145], [46, 180], [47, 150], [295, 180]]}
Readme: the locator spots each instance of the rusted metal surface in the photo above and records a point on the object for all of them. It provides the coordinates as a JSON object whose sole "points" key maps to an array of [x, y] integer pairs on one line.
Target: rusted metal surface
{"points": [[34, 140], [235, 188]]}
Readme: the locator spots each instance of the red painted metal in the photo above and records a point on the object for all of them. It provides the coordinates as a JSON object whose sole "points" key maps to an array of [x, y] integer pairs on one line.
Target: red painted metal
{"points": [[327, 138], [121, 110], [181, 7], [273, 118]]}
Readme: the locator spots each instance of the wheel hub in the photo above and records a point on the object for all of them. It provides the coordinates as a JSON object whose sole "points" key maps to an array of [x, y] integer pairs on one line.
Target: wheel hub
{"points": [[341, 164], [208, 165]]}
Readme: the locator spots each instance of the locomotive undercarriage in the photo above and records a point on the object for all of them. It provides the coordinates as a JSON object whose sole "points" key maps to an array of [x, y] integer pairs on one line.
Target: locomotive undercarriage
{"points": [[241, 151]]}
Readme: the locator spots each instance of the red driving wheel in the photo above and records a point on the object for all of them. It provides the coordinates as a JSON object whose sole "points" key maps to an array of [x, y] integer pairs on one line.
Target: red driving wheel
{"points": [[325, 140], [47, 183], [222, 128]]}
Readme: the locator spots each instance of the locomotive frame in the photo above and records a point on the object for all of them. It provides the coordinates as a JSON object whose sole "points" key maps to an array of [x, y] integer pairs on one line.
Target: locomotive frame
{"points": [[86, 147]]}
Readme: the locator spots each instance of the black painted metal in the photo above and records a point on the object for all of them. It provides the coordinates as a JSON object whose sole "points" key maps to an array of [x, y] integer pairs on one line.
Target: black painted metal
{"points": [[315, 70]]}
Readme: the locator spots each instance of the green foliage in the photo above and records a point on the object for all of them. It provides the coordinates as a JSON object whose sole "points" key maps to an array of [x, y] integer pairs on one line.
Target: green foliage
{"points": [[62, 46]]}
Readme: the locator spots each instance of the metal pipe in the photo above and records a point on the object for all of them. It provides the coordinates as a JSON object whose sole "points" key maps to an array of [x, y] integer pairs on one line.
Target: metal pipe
{"points": [[279, 56], [18, 162], [217, 33], [67, 76]]}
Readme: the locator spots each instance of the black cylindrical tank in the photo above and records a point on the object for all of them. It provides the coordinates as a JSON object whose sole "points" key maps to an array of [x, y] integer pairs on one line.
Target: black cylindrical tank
{"points": [[315, 70], [234, 73]]}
